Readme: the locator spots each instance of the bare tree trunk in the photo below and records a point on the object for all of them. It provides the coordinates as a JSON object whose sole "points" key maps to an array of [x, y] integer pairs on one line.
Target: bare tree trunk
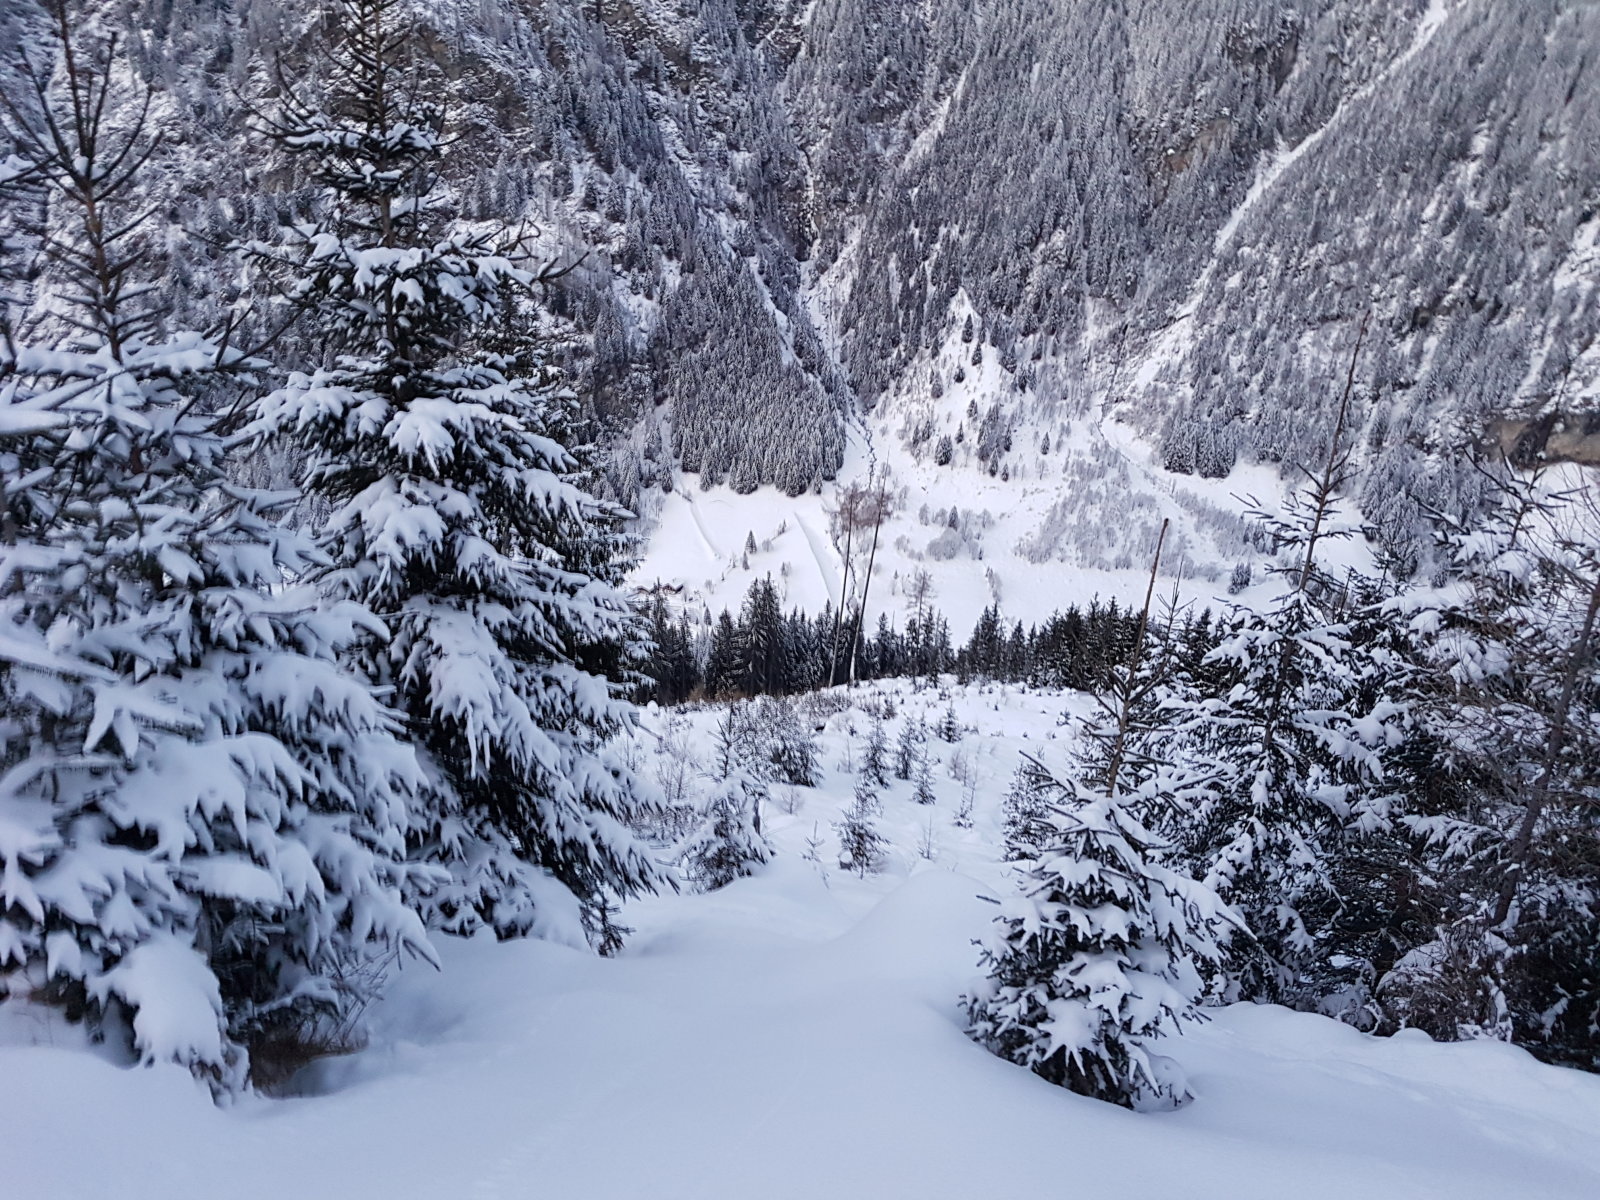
{"points": [[866, 583], [1333, 473], [848, 508], [1125, 701]]}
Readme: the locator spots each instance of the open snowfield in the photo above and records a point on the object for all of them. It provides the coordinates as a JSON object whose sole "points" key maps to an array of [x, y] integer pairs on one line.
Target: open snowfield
{"points": [[1063, 527], [798, 1035]]}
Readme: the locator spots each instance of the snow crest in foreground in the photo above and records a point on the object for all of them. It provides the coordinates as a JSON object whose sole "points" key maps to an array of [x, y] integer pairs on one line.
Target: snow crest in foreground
{"points": [[798, 1035]]}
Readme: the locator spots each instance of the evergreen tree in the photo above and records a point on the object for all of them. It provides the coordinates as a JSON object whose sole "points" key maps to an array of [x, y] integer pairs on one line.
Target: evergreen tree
{"points": [[983, 648], [1099, 954], [722, 675], [937, 654], [764, 651], [1095, 958], [874, 753], [1296, 755], [204, 818], [949, 727], [922, 778], [671, 663], [805, 642], [1505, 791], [1027, 811], [451, 510], [912, 735], [860, 843], [791, 748], [888, 656], [1384, 892], [728, 844], [1015, 662]]}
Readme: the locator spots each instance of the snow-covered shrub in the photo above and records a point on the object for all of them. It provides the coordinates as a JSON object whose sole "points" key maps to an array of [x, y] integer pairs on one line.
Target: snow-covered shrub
{"points": [[728, 844], [1095, 959], [1452, 988], [945, 545]]}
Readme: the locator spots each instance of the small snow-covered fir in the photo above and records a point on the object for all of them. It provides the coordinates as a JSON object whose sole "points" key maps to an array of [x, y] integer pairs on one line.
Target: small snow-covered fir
{"points": [[1096, 958]]}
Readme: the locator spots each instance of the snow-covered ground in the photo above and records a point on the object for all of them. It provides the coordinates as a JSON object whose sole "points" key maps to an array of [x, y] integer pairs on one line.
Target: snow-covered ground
{"points": [[798, 1035], [1081, 522]]}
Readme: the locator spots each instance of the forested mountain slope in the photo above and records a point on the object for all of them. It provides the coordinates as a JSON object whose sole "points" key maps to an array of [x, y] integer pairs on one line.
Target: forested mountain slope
{"points": [[789, 215], [1183, 211]]}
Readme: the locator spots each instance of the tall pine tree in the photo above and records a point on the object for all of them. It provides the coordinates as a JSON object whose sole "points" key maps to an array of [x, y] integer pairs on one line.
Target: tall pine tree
{"points": [[451, 510], [204, 818]]}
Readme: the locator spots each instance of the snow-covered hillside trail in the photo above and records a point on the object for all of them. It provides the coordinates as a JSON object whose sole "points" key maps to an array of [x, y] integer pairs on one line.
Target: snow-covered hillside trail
{"points": [[732, 1053], [795, 1037], [712, 553], [827, 573]]}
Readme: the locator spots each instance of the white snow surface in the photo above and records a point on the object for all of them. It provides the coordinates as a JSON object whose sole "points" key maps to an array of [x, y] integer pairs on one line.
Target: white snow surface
{"points": [[798, 1034], [695, 539]]}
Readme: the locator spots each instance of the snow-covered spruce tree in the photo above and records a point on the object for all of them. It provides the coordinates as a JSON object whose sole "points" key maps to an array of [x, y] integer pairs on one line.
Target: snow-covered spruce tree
{"points": [[1295, 755], [791, 748], [860, 843], [1381, 894], [202, 818], [452, 512], [721, 676], [671, 669], [1027, 811], [765, 664], [1263, 838], [1098, 955], [1510, 633], [1100, 952], [912, 736], [728, 842], [874, 752], [922, 775]]}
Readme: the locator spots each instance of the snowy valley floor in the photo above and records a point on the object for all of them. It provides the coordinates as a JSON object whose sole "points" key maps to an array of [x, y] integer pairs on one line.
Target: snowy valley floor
{"points": [[799, 1036]]}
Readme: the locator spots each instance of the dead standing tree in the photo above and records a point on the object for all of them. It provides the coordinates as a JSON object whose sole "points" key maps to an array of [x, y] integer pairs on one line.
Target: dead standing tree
{"points": [[861, 507]]}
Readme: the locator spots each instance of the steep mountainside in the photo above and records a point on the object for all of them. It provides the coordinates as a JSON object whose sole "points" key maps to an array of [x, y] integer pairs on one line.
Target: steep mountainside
{"points": [[1182, 212], [1009, 223]]}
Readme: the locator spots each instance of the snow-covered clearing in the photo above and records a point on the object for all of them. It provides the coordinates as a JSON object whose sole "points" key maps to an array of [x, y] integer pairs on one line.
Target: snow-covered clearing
{"points": [[797, 1035]]}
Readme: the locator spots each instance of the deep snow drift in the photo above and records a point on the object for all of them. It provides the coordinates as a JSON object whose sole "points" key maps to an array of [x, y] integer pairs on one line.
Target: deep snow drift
{"points": [[798, 1035]]}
